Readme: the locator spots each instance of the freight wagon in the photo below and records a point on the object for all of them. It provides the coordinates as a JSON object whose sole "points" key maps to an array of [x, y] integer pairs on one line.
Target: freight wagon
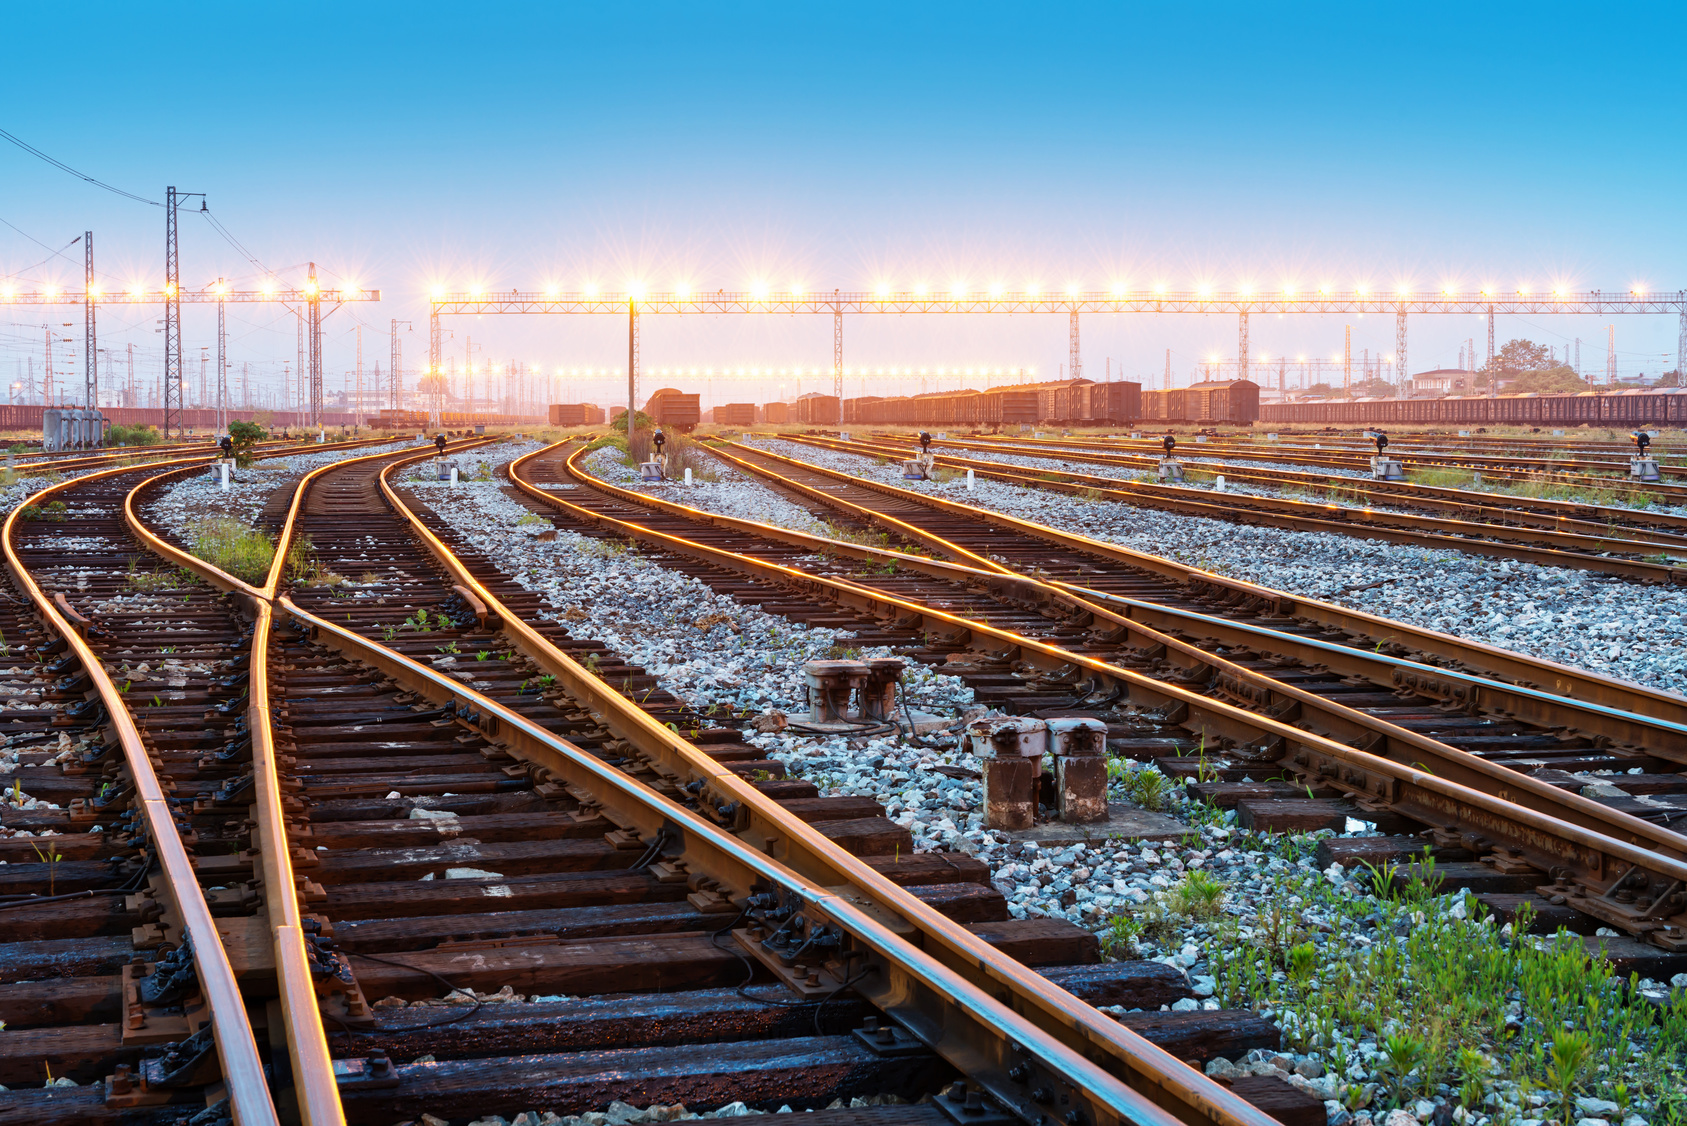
{"points": [[673, 408], [573, 414], [1666, 406]]}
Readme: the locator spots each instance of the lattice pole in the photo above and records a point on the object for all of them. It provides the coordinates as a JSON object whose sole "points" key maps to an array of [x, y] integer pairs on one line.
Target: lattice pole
{"points": [[1242, 345], [222, 362], [314, 304], [837, 354], [1400, 369], [90, 348], [172, 319], [1075, 365]]}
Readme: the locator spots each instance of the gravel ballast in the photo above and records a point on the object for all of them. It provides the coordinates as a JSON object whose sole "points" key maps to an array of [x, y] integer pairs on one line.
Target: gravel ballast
{"points": [[1612, 626]]}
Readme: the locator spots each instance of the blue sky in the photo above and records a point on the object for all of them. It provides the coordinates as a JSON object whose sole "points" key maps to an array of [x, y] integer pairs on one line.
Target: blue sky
{"points": [[511, 145]]}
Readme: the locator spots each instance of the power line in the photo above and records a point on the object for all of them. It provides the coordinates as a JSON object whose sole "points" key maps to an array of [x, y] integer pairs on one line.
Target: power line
{"points": [[63, 167], [59, 253], [217, 226]]}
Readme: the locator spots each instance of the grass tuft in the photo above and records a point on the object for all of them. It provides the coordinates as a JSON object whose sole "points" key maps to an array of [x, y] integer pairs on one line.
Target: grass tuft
{"points": [[237, 548]]}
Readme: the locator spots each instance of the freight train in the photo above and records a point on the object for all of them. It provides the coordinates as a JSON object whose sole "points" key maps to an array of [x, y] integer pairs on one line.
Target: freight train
{"points": [[1071, 401], [1664, 406]]}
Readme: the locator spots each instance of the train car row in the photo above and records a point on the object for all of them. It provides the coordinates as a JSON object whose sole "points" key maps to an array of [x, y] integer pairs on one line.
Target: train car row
{"points": [[1662, 406], [1064, 401]]}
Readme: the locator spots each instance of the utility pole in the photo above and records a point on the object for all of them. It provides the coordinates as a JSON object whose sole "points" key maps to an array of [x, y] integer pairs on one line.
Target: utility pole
{"points": [[90, 349], [1578, 355], [1168, 385], [1610, 355], [47, 375], [132, 400], [245, 386], [1282, 377]]}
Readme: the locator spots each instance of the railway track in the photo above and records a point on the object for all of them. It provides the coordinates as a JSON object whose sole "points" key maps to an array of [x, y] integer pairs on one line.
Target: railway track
{"points": [[614, 849], [1613, 476], [1480, 731], [607, 842], [1649, 559], [1666, 529]]}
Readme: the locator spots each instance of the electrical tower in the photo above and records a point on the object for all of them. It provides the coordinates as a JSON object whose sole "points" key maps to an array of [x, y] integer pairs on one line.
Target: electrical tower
{"points": [[1610, 354], [1578, 355], [1347, 361], [1168, 386]]}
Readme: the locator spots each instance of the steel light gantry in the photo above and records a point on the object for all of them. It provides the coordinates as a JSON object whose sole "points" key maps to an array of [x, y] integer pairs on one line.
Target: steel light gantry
{"points": [[837, 302], [310, 298]]}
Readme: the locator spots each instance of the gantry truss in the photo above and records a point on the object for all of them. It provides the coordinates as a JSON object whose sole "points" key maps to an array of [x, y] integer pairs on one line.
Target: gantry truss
{"points": [[307, 301], [1484, 303], [837, 301]]}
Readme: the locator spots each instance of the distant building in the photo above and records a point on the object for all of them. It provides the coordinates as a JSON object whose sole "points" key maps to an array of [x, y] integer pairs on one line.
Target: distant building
{"points": [[1443, 381]]}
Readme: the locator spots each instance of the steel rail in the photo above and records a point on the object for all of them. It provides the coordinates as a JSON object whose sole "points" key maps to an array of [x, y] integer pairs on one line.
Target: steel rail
{"points": [[1362, 523], [1565, 515], [316, 1090], [803, 849], [981, 1035], [991, 1040], [237, 1050], [1338, 457], [1344, 723], [1549, 841], [1658, 737], [1550, 676]]}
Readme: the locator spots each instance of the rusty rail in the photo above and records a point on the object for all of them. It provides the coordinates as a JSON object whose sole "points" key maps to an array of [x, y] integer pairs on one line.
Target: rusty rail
{"points": [[1562, 680], [989, 1041], [1557, 831], [237, 1049]]}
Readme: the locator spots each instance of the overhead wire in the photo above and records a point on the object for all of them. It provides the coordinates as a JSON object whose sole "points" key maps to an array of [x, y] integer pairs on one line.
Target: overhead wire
{"points": [[63, 167]]}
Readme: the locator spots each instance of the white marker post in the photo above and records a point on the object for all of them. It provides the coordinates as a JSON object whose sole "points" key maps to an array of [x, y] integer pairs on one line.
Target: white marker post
{"points": [[453, 476], [969, 480], [223, 467], [688, 475]]}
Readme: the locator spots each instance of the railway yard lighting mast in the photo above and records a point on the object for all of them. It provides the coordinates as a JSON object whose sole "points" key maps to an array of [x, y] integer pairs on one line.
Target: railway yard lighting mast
{"points": [[91, 378]]}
